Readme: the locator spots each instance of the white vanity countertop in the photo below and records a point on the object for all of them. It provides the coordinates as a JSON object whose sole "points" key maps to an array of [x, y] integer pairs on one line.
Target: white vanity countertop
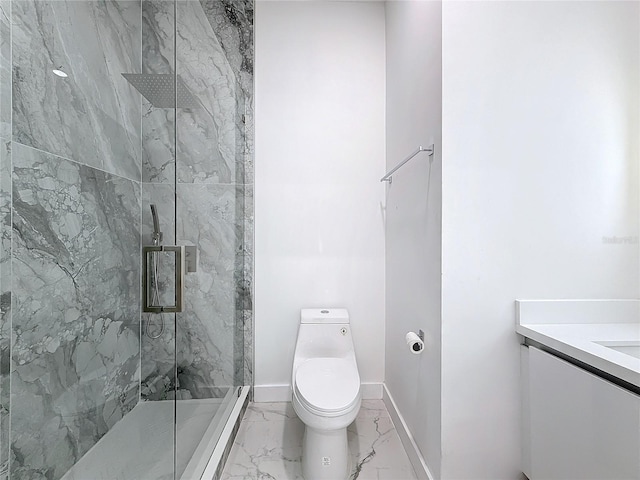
{"points": [[575, 328]]}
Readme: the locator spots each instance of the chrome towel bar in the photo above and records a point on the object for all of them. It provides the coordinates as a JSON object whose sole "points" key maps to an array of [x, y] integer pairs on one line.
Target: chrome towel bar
{"points": [[388, 178]]}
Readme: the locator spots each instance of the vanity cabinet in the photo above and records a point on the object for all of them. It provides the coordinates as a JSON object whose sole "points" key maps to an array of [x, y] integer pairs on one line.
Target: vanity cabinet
{"points": [[576, 425]]}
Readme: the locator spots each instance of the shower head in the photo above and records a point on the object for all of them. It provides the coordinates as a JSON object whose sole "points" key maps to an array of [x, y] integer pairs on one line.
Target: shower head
{"points": [[157, 234], [162, 91]]}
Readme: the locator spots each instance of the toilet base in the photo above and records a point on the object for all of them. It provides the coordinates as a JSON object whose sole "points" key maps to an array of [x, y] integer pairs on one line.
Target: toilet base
{"points": [[325, 454]]}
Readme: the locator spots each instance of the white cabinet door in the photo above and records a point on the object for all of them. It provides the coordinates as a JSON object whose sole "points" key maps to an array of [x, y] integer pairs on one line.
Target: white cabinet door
{"points": [[580, 426]]}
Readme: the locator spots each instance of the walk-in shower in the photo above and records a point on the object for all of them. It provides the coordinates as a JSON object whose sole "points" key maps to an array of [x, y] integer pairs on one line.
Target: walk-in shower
{"points": [[135, 163]]}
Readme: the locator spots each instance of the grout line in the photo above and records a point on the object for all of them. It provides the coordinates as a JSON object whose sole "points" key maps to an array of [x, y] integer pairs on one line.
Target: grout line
{"points": [[198, 184], [74, 161]]}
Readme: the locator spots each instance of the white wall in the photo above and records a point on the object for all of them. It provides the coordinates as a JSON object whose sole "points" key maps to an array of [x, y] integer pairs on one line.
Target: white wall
{"points": [[414, 217], [540, 162], [539, 157], [319, 84]]}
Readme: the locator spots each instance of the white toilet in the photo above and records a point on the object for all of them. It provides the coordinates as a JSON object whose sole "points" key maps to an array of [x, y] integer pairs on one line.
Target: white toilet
{"points": [[326, 391]]}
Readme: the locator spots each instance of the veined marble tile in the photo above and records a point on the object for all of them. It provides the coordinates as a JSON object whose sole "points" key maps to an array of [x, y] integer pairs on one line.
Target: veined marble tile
{"points": [[5, 302], [158, 357], [215, 60], [244, 290], [66, 392], [241, 134], [5, 69], [207, 218], [207, 149], [244, 212], [376, 450], [266, 450], [93, 115], [163, 196], [158, 144], [270, 412], [76, 277], [158, 354], [210, 331], [158, 36], [243, 294], [247, 292], [211, 139], [373, 409], [238, 349], [158, 124], [247, 353], [249, 132], [269, 445], [233, 23]]}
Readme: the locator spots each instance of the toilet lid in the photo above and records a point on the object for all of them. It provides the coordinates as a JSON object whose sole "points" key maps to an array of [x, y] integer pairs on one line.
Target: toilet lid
{"points": [[328, 384]]}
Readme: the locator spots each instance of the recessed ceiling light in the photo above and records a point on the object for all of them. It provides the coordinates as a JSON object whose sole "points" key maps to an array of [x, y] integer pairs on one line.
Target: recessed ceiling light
{"points": [[60, 73]]}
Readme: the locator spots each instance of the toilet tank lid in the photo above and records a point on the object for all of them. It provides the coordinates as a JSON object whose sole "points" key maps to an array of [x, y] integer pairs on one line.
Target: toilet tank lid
{"points": [[324, 315]]}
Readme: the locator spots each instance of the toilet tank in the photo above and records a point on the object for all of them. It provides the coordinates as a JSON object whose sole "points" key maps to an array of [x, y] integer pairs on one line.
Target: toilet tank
{"points": [[324, 315], [324, 332]]}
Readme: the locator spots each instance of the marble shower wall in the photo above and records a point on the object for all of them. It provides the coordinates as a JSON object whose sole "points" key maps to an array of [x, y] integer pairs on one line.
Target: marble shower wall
{"points": [[5, 69], [215, 61], [76, 307], [72, 301], [5, 301], [71, 162], [93, 116], [5, 231], [213, 149], [158, 124]]}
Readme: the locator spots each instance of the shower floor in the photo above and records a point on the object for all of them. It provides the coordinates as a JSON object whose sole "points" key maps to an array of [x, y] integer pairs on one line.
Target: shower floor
{"points": [[140, 446]]}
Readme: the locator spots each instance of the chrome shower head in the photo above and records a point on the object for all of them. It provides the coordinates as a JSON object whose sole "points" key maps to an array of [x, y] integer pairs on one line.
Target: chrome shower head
{"points": [[162, 91]]}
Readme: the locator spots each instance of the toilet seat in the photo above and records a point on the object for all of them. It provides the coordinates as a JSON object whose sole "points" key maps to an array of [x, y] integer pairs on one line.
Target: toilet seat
{"points": [[327, 386]]}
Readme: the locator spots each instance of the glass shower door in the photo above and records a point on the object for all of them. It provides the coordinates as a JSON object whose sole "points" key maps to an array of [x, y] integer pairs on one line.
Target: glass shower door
{"points": [[122, 126], [76, 147], [158, 90], [197, 185], [210, 204]]}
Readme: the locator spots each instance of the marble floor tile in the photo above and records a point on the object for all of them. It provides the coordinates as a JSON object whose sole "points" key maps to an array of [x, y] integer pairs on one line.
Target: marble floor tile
{"points": [[269, 445]]}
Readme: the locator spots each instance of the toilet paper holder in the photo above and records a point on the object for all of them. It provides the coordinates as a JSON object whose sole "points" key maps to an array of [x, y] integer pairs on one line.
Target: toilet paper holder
{"points": [[415, 342]]}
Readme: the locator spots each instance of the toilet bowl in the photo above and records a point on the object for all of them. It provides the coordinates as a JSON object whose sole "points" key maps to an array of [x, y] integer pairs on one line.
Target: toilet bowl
{"points": [[326, 391]]}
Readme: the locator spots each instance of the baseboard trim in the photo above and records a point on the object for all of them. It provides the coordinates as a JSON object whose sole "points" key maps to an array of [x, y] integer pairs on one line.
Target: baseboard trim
{"points": [[282, 393], [371, 391], [271, 393], [410, 446]]}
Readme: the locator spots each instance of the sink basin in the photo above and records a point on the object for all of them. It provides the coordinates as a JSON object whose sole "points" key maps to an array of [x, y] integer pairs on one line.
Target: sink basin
{"points": [[628, 348]]}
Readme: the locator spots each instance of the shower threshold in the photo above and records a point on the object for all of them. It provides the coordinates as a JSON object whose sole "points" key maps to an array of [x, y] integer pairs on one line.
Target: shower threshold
{"points": [[140, 445]]}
